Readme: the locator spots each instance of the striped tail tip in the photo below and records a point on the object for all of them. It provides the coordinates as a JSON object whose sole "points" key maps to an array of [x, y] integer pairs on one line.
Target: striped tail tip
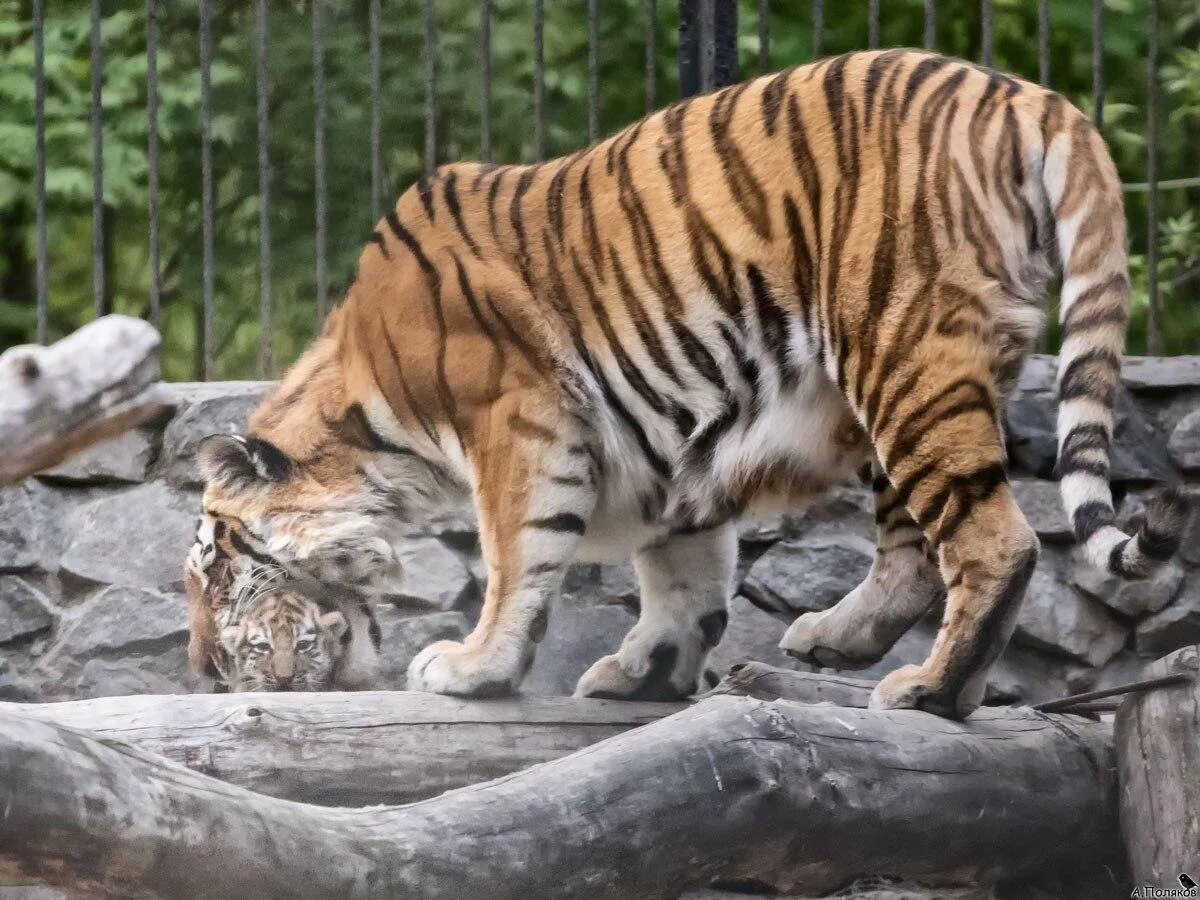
{"points": [[1156, 540]]}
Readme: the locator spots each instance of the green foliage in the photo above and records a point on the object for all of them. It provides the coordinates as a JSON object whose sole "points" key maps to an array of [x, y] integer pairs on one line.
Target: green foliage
{"points": [[459, 101]]}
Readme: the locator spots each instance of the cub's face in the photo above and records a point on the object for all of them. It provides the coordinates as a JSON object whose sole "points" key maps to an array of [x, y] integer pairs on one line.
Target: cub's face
{"points": [[283, 642]]}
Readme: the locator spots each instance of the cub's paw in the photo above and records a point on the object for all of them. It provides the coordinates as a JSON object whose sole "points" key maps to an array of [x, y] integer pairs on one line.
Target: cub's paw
{"points": [[912, 687], [448, 667], [813, 639], [626, 677]]}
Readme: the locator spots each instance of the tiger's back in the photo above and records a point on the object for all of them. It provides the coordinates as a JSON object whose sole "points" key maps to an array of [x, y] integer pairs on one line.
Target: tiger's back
{"points": [[743, 297]]}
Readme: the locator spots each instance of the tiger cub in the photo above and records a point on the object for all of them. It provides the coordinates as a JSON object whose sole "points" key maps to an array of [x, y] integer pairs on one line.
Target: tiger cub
{"points": [[732, 304], [254, 630]]}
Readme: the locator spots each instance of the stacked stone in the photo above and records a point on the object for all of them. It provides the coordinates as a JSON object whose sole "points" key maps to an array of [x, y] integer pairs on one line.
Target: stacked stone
{"points": [[91, 556]]}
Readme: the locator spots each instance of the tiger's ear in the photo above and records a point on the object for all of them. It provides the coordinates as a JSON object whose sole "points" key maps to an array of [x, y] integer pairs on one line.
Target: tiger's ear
{"points": [[235, 462], [335, 623]]}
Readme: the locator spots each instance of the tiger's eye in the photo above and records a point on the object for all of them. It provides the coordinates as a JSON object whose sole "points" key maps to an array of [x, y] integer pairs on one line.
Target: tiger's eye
{"points": [[305, 643]]}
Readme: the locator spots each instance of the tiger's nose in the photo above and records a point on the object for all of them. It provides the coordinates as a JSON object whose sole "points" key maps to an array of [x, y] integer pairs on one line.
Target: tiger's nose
{"points": [[283, 683]]}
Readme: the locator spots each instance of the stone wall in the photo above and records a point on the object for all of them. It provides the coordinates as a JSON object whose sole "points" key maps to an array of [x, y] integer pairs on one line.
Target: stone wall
{"points": [[91, 560]]}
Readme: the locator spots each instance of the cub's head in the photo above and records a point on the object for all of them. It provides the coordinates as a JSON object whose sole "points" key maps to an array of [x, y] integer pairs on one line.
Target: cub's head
{"points": [[276, 639]]}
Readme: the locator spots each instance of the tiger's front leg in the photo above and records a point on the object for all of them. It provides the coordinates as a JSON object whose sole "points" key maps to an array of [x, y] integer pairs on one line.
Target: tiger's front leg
{"points": [[686, 581], [535, 491]]}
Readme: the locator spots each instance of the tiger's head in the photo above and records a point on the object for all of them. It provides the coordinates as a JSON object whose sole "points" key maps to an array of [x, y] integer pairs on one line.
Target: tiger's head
{"points": [[317, 488], [276, 639]]}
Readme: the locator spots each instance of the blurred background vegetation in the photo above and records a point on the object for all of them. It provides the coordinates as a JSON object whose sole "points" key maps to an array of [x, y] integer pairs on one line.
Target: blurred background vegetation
{"points": [[459, 94]]}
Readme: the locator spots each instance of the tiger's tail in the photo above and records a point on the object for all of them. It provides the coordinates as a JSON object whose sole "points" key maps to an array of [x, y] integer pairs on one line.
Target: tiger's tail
{"points": [[1084, 193]]}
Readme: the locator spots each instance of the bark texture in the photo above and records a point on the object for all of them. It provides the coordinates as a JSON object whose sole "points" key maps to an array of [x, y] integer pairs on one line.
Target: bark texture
{"points": [[732, 788]]}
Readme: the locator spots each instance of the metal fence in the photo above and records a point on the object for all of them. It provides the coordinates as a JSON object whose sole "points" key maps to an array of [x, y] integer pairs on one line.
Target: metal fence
{"points": [[708, 58]]}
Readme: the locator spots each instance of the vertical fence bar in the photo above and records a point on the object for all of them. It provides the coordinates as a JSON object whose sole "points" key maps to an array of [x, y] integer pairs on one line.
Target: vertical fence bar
{"points": [[651, 8], [485, 102], [725, 45], [872, 24], [319, 185], [373, 25], [539, 81], [266, 345], [764, 36], [206, 187], [818, 27], [707, 46], [725, 50], [930, 41], [41, 271], [689, 48], [1044, 43], [98, 287], [985, 30], [1154, 336], [593, 72], [430, 53], [152, 157], [1098, 62]]}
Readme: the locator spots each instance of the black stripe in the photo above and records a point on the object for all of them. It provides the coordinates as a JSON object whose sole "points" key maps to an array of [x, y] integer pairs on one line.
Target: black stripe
{"points": [[1116, 559], [747, 192], [590, 232], [876, 72], [641, 321], [377, 238], [562, 522], [919, 75], [776, 331], [450, 189], [772, 100], [493, 193], [1093, 374], [1090, 517], [426, 425], [425, 192]]}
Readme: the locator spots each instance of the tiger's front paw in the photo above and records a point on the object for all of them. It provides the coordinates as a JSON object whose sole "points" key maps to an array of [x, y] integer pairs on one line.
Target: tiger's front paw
{"points": [[913, 687], [655, 677], [448, 667]]}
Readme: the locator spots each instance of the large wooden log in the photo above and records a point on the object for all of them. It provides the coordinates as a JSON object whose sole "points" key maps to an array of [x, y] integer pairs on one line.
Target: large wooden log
{"points": [[351, 749], [767, 682], [1158, 752], [90, 386], [731, 788]]}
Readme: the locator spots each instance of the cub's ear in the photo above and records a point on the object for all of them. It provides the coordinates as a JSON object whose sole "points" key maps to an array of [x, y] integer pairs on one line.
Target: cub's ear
{"points": [[335, 623], [235, 462]]}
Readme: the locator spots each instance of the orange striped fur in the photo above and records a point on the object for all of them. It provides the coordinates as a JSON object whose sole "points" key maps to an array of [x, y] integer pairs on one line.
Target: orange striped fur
{"points": [[730, 305]]}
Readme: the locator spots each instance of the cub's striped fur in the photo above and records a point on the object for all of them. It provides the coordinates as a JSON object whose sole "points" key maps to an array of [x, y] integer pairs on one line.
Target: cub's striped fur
{"points": [[253, 628], [733, 303]]}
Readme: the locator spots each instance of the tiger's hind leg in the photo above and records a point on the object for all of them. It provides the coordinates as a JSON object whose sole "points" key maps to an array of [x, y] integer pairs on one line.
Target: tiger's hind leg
{"points": [[685, 582], [902, 584], [935, 426], [535, 494]]}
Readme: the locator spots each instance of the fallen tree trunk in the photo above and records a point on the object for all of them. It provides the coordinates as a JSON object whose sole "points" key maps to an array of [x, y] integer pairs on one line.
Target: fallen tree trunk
{"points": [[90, 386], [351, 749], [1158, 750], [767, 682], [732, 788]]}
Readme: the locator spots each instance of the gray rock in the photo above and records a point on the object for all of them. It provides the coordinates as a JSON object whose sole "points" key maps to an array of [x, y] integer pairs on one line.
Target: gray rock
{"points": [[1059, 620], [806, 575], [837, 513], [1123, 668], [123, 458], [1042, 505], [1138, 452], [23, 609], [576, 636], [751, 635], [1148, 595], [123, 678], [1022, 675], [435, 577], [31, 534], [138, 537], [122, 620], [1185, 442], [1173, 627], [406, 636], [204, 409], [592, 584], [1160, 373], [1189, 549]]}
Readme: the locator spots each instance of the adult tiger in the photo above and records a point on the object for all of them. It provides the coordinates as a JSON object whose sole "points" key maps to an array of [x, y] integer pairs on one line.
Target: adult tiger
{"points": [[736, 301]]}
